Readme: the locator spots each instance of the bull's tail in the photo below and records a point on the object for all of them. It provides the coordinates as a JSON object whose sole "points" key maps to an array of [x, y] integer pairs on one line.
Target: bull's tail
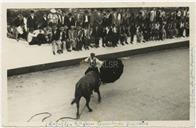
{"points": [[77, 94], [73, 101]]}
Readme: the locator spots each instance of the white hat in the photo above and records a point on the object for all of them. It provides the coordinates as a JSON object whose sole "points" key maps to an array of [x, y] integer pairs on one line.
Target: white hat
{"points": [[53, 10]]}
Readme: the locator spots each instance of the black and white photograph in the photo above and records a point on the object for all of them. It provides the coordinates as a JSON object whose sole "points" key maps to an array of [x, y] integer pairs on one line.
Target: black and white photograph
{"points": [[89, 62]]}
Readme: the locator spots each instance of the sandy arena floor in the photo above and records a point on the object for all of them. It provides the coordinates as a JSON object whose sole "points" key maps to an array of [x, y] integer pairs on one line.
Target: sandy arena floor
{"points": [[154, 86]]}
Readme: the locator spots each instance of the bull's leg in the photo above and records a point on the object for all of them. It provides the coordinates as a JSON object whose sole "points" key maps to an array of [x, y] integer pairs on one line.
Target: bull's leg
{"points": [[78, 108], [99, 95], [87, 103]]}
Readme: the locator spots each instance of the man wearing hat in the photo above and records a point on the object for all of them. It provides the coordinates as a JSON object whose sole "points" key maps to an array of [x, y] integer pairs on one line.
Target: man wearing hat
{"points": [[31, 21], [53, 17]]}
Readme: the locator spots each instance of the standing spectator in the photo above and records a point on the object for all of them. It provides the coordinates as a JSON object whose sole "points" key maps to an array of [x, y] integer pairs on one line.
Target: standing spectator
{"points": [[59, 14], [65, 19], [95, 35], [52, 18], [157, 30], [71, 21], [18, 24], [92, 18], [65, 38], [105, 37], [79, 19], [132, 28], [187, 26], [119, 18], [32, 21], [43, 21], [146, 28], [104, 20], [86, 19], [152, 15]]}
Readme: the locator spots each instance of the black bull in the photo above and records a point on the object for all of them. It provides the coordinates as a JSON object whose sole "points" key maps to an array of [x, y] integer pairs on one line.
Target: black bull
{"points": [[91, 81]]}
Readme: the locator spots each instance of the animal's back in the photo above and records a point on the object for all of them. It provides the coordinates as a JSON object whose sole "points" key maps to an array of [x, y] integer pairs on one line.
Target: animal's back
{"points": [[86, 84]]}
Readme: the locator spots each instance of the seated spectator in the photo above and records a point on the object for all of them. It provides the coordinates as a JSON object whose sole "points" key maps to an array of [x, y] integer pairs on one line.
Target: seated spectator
{"points": [[72, 38], [65, 37], [80, 38], [139, 34], [55, 38], [86, 39], [123, 35], [61, 37], [163, 32], [32, 37], [48, 34], [115, 36]]}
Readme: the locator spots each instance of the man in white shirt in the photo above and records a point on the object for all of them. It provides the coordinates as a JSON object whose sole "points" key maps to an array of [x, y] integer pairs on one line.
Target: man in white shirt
{"points": [[94, 63]]}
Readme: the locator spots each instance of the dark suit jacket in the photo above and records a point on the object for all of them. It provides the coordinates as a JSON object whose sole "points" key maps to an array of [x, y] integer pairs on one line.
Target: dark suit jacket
{"points": [[56, 36], [70, 22], [31, 23], [43, 23], [18, 22], [87, 17]]}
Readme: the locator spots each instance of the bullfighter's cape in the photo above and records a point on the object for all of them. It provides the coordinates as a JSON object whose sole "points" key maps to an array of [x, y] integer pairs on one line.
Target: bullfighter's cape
{"points": [[111, 70]]}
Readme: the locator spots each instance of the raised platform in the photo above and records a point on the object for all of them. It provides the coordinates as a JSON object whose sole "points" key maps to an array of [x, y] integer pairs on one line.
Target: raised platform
{"points": [[22, 58]]}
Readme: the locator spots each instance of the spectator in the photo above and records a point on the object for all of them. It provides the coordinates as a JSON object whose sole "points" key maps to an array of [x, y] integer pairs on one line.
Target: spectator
{"points": [[43, 23], [55, 38], [52, 18], [86, 19], [31, 37], [32, 21], [72, 38], [86, 39], [95, 36], [70, 21], [19, 27], [80, 38], [78, 28]]}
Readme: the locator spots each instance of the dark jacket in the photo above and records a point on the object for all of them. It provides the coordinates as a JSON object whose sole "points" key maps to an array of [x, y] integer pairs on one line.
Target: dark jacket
{"points": [[56, 36], [43, 23], [18, 22], [31, 23]]}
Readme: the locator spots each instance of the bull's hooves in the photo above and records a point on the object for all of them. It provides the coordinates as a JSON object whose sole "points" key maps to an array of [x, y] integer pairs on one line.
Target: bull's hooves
{"points": [[77, 116], [90, 110]]}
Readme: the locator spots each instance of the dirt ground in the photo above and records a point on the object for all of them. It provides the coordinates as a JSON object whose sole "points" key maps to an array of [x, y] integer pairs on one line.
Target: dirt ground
{"points": [[153, 86]]}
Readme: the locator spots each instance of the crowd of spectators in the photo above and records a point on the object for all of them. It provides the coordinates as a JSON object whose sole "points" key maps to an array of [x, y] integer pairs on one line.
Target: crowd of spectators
{"points": [[77, 29]]}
